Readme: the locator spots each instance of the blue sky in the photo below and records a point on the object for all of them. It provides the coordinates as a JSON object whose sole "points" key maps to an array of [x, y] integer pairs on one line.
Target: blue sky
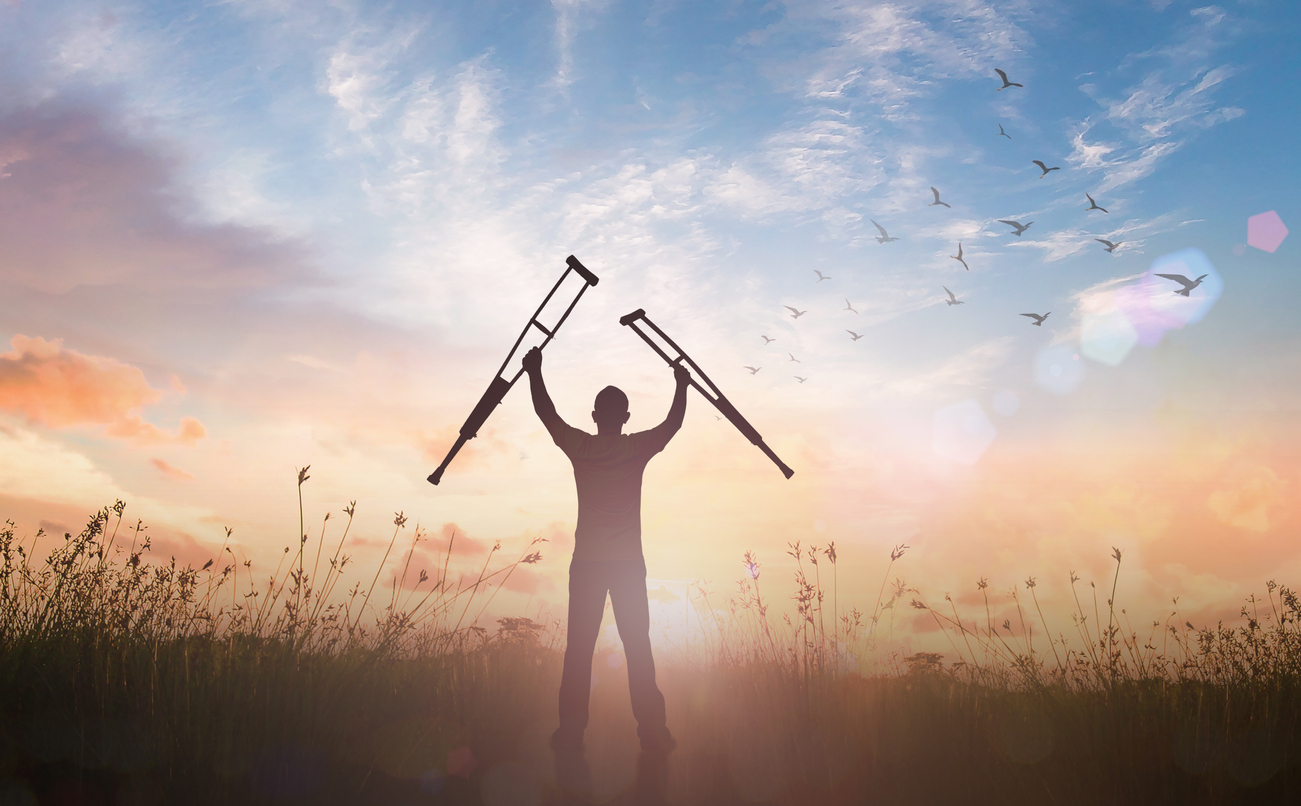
{"points": [[314, 229]]}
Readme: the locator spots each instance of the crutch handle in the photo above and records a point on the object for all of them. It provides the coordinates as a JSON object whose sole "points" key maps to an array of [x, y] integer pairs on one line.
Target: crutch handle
{"points": [[582, 270], [640, 313]]}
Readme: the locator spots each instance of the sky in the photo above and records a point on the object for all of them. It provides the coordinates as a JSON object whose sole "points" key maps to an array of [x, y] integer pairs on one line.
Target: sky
{"points": [[241, 238]]}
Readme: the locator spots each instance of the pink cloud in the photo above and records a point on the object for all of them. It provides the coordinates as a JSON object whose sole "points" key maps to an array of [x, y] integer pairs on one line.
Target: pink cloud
{"points": [[59, 388], [170, 471]]}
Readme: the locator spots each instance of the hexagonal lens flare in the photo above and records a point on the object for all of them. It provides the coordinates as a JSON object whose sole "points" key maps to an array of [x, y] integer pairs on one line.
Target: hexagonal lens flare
{"points": [[1266, 231], [1179, 289], [962, 432], [1107, 336]]}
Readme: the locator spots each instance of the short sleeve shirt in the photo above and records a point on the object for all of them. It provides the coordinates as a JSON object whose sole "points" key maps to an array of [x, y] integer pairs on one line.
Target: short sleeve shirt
{"points": [[608, 472]]}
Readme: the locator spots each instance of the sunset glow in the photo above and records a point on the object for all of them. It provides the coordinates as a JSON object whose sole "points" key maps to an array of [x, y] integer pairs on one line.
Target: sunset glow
{"points": [[243, 238]]}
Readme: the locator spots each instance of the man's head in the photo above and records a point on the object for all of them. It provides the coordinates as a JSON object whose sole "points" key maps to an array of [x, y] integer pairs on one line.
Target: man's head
{"points": [[610, 411]]}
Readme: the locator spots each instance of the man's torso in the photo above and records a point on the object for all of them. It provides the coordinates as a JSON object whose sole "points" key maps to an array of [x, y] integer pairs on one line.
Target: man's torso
{"points": [[608, 473]]}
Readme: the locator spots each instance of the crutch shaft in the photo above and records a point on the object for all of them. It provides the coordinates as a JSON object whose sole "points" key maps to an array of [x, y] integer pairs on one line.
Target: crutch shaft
{"points": [[491, 400], [437, 475], [499, 386], [720, 402]]}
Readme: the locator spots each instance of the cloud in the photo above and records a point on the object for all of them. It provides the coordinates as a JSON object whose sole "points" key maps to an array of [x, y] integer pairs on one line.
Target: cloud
{"points": [[89, 205], [170, 471], [969, 368], [1157, 105], [1088, 155], [567, 25], [59, 388], [134, 429], [1057, 245], [1247, 498], [1175, 97], [890, 53]]}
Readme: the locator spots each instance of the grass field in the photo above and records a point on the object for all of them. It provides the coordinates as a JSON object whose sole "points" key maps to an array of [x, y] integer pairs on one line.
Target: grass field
{"points": [[124, 681]]}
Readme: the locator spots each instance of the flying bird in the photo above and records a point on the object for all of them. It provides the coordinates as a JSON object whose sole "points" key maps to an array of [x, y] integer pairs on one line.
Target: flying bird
{"points": [[1038, 318], [1003, 133], [1020, 228], [849, 307], [793, 358], [798, 378], [766, 339], [937, 200], [753, 370], [796, 313], [952, 300], [1045, 168], [1111, 247], [1188, 285], [1006, 83], [885, 236], [821, 276], [1094, 205], [958, 257], [855, 336]]}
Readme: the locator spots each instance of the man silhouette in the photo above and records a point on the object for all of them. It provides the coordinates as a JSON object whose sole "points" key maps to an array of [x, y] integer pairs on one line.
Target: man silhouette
{"points": [[607, 551]]}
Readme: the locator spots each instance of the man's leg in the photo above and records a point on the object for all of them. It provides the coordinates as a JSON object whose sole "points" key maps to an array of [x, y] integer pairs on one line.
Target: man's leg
{"points": [[632, 615], [587, 589]]}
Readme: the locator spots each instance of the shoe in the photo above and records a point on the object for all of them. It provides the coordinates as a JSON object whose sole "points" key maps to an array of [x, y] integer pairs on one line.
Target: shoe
{"points": [[658, 740], [567, 739]]}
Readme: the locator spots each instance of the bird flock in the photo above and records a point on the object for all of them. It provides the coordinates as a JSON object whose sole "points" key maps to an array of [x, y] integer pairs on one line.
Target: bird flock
{"points": [[1018, 228]]}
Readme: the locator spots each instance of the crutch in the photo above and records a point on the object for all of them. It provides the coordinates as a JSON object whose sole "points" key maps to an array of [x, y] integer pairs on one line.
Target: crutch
{"points": [[720, 402], [500, 386]]}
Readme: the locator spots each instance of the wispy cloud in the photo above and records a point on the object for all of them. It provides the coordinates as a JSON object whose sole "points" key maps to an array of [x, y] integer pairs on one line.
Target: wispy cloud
{"points": [[569, 21], [1177, 96], [1061, 244], [1159, 104], [968, 369], [890, 53]]}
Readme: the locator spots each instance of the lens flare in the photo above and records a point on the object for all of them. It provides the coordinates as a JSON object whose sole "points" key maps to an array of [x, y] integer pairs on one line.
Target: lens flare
{"points": [[1058, 368], [1157, 304], [962, 432], [1266, 231], [1107, 336], [1006, 402]]}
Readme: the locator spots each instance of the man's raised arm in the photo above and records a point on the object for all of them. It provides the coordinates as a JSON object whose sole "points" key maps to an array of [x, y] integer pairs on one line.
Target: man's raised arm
{"points": [[542, 404], [678, 409]]}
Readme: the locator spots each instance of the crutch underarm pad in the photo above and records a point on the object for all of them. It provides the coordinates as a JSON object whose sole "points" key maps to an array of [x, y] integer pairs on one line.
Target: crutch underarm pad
{"points": [[632, 317], [582, 270]]}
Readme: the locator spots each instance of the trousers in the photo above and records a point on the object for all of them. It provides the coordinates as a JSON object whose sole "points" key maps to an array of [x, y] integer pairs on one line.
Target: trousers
{"points": [[625, 582]]}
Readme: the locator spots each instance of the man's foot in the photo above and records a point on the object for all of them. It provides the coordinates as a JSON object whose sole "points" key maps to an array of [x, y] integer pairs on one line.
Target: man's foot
{"points": [[657, 740], [567, 739]]}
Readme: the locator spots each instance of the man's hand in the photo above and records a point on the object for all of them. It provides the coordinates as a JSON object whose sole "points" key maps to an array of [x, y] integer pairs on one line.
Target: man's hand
{"points": [[533, 361], [681, 374]]}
